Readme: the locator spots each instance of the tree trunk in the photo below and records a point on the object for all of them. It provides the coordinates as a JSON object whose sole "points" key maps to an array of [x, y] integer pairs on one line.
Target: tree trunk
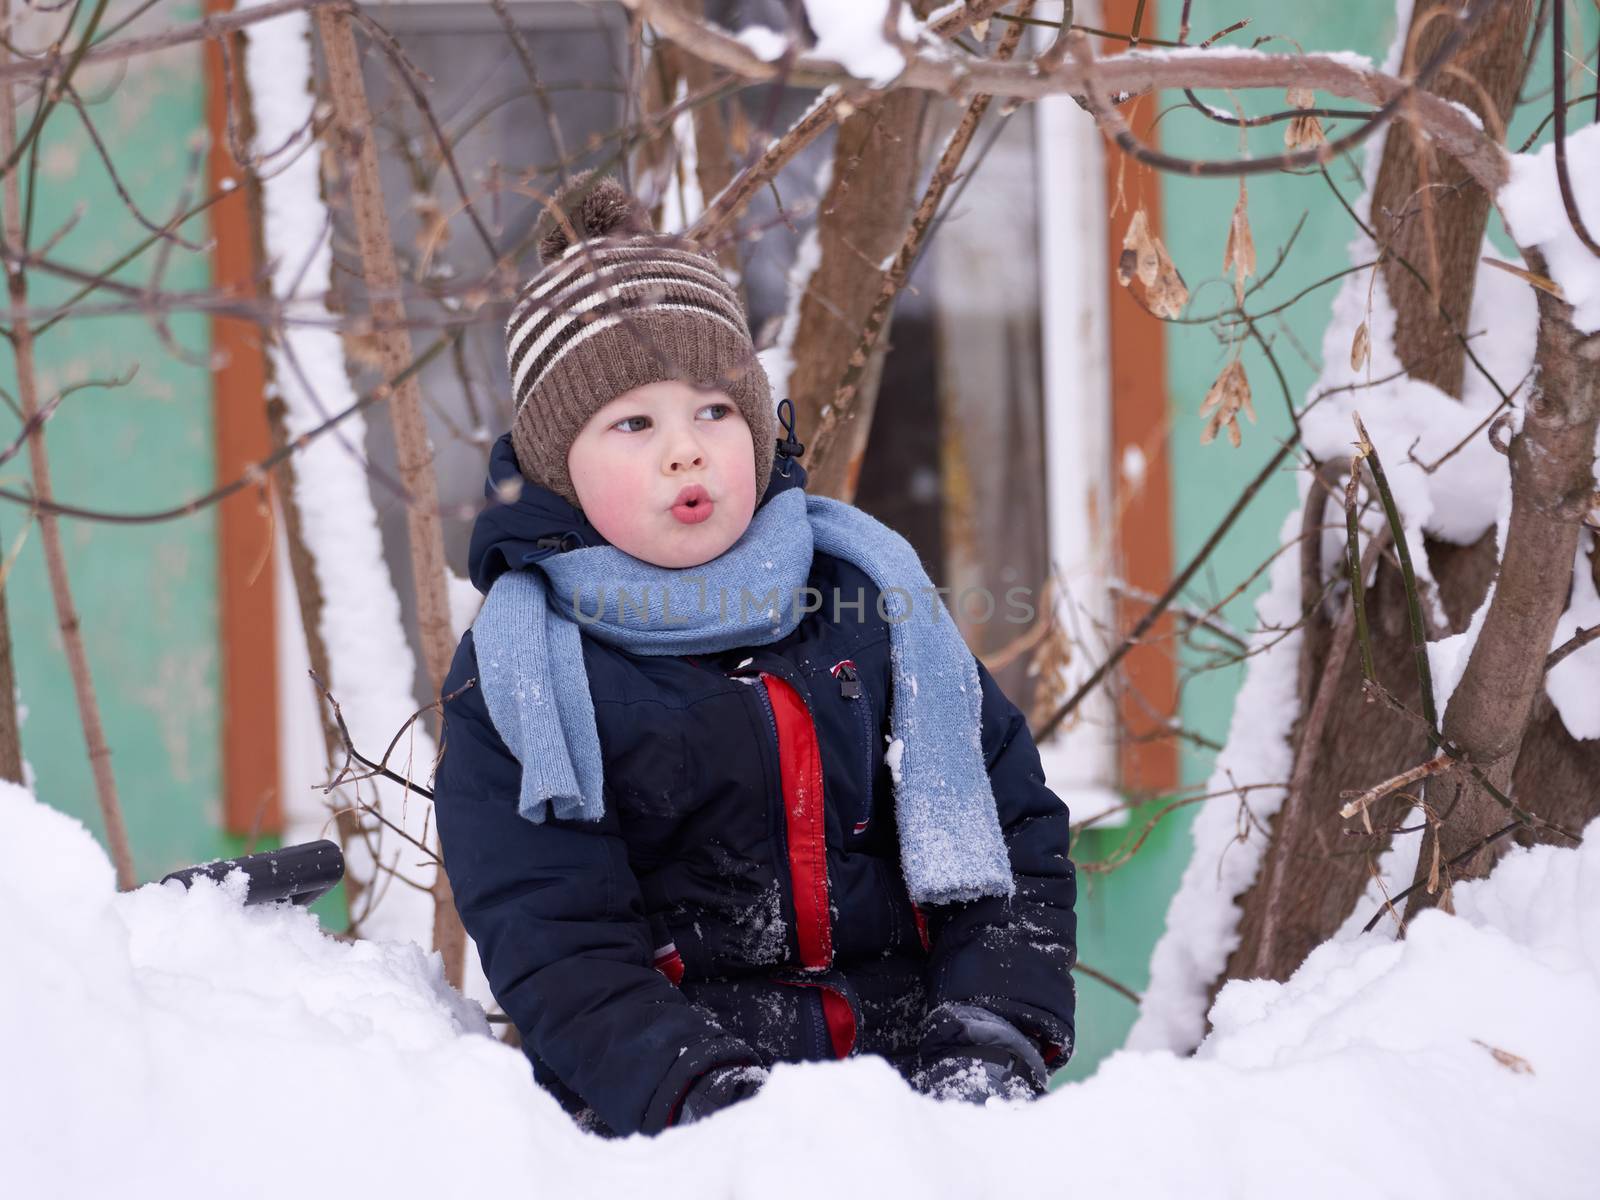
{"points": [[1426, 209], [860, 225], [1315, 868], [10, 731], [1552, 489], [412, 448], [713, 148]]}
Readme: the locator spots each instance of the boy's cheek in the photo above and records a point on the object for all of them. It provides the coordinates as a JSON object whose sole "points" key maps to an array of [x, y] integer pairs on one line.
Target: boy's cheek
{"points": [[617, 513]]}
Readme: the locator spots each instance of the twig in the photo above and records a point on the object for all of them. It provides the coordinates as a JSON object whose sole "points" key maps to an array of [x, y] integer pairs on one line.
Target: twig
{"points": [[210, 27], [1121, 989], [1360, 802], [1419, 630], [894, 280], [1358, 583], [1122, 133], [1179, 582], [379, 768], [1558, 70], [1464, 856], [525, 55], [1134, 73], [1454, 326], [1572, 645], [1196, 618], [1550, 116], [251, 474], [1437, 742], [408, 75]]}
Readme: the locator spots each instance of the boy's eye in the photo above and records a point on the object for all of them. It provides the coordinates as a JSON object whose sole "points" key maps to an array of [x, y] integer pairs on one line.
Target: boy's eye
{"points": [[718, 412]]}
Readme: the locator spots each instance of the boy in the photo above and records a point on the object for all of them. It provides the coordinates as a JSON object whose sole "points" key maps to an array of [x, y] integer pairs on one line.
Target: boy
{"points": [[722, 786]]}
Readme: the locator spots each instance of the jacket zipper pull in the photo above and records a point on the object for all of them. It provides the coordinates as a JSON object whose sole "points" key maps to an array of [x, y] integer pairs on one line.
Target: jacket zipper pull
{"points": [[849, 681]]}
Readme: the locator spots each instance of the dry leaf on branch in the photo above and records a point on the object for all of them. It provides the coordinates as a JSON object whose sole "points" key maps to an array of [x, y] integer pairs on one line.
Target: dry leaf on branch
{"points": [[1240, 253], [1514, 1063], [1303, 132], [1543, 283], [363, 347], [1145, 258], [433, 227], [740, 131], [1229, 394], [1139, 257], [1360, 347]]}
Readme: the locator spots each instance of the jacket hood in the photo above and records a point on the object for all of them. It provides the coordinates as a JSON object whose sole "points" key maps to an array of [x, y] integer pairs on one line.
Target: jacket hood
{"points": [[539, 523]]}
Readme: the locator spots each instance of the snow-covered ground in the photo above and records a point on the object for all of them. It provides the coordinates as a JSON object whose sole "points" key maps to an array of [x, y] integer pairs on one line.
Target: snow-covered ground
{"points": [[164, 1042]]}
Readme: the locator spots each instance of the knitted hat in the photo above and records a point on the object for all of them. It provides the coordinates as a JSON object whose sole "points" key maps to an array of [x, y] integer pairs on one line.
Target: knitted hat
{"points": [[616, 308]]}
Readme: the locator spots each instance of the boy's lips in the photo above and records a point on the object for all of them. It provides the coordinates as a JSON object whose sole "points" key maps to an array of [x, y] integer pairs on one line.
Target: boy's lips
{"points": [[693, 505]]}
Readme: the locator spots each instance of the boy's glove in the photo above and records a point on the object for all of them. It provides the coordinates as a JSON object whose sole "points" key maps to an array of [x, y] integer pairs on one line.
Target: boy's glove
{"points": [[717, 1089], [968, 1053]]}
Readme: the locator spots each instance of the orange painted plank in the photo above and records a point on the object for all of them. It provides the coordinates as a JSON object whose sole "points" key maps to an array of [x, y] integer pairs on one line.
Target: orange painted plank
{"points": [[251, 800], [1148, 758]]}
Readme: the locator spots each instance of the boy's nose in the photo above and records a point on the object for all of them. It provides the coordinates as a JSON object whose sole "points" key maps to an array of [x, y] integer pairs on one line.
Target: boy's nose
{"points": [[685, 460]]}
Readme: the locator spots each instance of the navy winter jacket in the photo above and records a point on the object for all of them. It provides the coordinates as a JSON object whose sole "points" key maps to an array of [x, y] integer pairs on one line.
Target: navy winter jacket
{"points": [[708, 920]]}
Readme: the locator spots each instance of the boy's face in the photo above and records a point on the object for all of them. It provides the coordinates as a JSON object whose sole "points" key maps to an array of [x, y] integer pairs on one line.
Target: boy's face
{"points": [[667, 473]]}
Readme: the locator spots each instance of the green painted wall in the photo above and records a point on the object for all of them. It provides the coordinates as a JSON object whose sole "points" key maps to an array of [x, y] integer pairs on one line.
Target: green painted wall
{"points": [[147, 594], [1122, 913]]}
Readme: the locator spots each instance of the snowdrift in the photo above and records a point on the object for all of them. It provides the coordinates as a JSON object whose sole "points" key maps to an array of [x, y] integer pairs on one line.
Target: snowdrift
{"points": [[165, 1042]]}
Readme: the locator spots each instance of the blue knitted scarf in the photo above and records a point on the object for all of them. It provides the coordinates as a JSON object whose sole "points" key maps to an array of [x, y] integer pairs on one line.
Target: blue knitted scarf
{"points": [[527, 638]]}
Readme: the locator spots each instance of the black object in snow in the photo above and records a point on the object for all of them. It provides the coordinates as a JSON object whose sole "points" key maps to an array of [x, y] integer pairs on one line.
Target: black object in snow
{"points": [[299, 874]]}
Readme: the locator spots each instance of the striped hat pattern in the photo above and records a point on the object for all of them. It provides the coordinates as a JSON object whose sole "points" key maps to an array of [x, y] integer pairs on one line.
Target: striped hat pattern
{"points": [[609, 313]]}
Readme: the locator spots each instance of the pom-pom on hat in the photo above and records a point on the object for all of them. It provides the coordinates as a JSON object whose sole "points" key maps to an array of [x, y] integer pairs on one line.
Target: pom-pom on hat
{"points": [[617, 306]]}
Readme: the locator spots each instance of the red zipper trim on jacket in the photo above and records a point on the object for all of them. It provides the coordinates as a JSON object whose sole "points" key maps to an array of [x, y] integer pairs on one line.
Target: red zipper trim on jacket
{"points": [[841, 1020], [837, 1014], [921, 919], [670, 963], [800, 764]]}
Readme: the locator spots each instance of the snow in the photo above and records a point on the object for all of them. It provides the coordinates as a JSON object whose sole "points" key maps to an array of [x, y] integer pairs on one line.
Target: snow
{"points": [[1202, 920], [1134, 467], [1391, 66], [1531, 204], [1413, 424], [944, 12], [1572, 686], [892, 754], [165, 1040], [777, 360], [851, 33], [1448, 656], [1394, 871], [1472, 117], [766, 44], [1343, 58], [464, 601], [682, 203]]}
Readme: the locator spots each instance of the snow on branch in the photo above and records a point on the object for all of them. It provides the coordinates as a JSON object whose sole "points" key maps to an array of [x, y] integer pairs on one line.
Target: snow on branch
{"points": [[937, 68]]}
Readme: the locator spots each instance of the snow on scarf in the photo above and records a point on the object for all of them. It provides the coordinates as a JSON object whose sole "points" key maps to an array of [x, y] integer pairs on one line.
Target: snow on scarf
{"points": [[527, 636]]}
